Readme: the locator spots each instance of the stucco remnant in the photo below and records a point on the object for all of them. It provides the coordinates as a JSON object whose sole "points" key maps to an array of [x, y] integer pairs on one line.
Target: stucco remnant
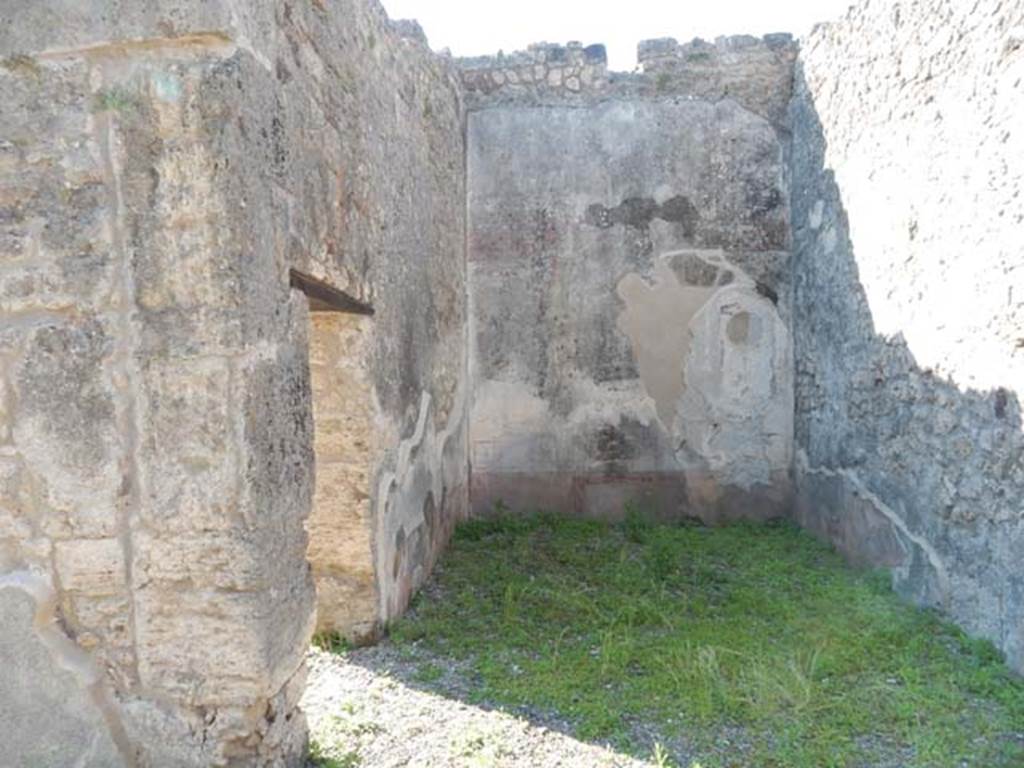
{"points": [[54, 706]]}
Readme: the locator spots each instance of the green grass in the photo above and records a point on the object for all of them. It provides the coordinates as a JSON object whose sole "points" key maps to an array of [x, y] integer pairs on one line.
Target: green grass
{"points": [[331, 642], [694, 630], [319, 757]]}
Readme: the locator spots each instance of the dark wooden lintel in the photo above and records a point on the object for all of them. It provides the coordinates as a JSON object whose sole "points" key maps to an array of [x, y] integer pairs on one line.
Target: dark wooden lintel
{"points": [[324, 297]]}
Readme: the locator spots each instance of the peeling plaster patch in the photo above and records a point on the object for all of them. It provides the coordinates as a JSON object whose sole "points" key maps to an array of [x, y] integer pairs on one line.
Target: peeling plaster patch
{"points": [[816, 215], [423, 470], [601, 403], [735, 414], [658, 316], [717, 362], [656, 319]]}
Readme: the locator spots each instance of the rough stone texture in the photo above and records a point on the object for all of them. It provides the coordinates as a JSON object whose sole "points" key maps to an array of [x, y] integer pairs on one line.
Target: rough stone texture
{"points": [[340, 525], [544, 70], [161, 169], [634, 320], [755, 72], [629, 335], [908, 161]]}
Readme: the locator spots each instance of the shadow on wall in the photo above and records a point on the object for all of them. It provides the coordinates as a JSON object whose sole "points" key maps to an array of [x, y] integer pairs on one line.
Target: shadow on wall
{"points": [[896, 464]]}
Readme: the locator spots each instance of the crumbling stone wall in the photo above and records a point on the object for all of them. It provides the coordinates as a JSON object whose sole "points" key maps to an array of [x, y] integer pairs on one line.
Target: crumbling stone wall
{"points": [[543, 70], [629, 324], [753, 71], [162, 166], [908, 161]]}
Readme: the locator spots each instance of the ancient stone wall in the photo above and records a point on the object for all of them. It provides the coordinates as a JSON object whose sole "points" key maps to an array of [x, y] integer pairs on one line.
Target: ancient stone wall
{"points": [[908, 161], [755, 72], [162, 166], [648, 254], [543, 70], [341, 522], [628, 281]]}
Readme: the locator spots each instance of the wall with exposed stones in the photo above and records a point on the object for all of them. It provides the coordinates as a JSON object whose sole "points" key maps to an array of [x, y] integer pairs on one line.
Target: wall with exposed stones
{"points": [[543, 70], [908, 163], [630, 335], [752, 71], [341, 522], [713, 287], [162, 166]]}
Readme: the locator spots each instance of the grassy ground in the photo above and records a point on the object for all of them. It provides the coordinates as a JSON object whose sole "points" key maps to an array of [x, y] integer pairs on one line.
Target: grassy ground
{"points": [[750, 645]]}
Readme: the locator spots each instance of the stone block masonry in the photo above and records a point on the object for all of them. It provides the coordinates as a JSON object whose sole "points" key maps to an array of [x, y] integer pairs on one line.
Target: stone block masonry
{"points": [[750, 279], [755, 72], [544, 69], [161, 170]]}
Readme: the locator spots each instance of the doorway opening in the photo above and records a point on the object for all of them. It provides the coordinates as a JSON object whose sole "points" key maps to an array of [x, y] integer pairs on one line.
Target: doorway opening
{"points": [[340, 524]]}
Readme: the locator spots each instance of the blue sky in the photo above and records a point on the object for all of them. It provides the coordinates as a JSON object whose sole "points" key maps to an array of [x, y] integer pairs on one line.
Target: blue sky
{"points": [[474, 27]]}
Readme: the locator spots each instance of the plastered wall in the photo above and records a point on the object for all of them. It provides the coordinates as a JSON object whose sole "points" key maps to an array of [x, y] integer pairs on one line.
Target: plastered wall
{"points": [[630, 336]]}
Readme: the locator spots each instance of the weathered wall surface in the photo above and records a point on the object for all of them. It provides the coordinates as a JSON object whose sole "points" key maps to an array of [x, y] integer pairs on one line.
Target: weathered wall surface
{"points": [[908, 161], [629, 329], [160, 171], [155, 450], [340, 524], [544, 71]]}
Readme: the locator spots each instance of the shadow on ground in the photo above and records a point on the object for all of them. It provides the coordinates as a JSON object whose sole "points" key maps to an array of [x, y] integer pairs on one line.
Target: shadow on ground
{"points": [[546, 641]]}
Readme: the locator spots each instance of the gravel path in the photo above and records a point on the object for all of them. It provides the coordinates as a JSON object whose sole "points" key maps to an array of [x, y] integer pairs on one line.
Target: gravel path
{"points": [[364, 711]]}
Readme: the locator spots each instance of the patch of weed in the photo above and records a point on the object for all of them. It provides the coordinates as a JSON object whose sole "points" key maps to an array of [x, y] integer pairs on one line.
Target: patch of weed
{"points": [[636, 525], [692, 629], [114, 100], [429, 673], [331, 642], [321, 757]]}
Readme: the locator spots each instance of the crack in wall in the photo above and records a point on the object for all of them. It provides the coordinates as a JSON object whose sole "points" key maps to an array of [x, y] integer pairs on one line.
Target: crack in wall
{"points": [[125, 376]]}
